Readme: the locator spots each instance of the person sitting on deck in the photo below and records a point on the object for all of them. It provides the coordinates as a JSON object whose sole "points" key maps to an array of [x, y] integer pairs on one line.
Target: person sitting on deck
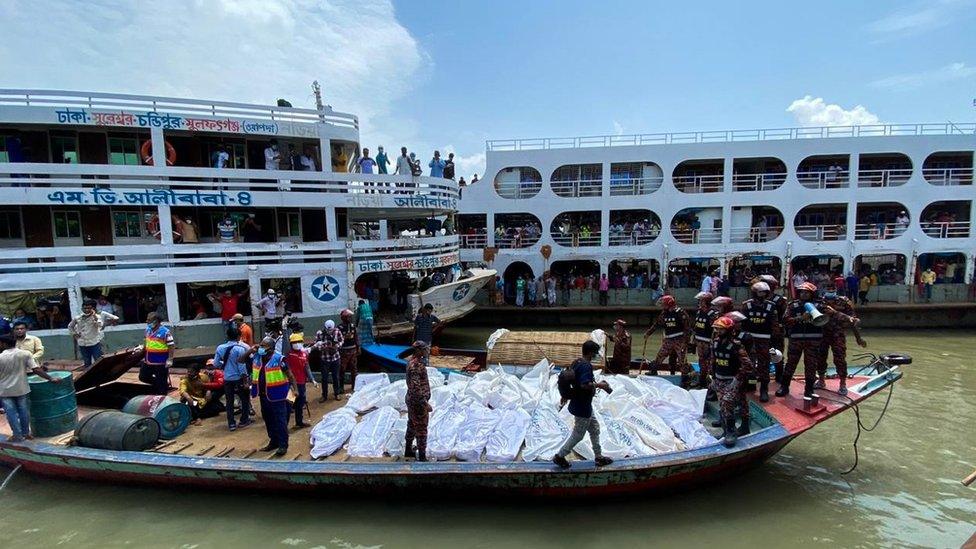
{"points": [[270, 382], [576, 385], [194, 393]]}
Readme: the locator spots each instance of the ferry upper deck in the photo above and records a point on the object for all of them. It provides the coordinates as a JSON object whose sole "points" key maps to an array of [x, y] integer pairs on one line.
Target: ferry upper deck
{"points": [[831, 198]]}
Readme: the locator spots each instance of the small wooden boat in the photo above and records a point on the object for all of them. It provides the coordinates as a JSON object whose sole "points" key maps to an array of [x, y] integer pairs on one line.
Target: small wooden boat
{"points": [[211, 457]]}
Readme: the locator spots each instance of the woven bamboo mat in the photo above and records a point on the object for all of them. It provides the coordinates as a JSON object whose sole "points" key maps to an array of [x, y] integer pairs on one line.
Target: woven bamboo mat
{"points": [[528, 348]]}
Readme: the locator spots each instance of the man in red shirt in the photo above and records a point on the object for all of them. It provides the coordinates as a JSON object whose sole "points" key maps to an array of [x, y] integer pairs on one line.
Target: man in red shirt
{"points": [[839, 284], [297, 362]]}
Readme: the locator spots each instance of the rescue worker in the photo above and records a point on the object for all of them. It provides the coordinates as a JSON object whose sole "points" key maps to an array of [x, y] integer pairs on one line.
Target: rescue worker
{"points": [[297, 361], [835, 339], [622, 344], [349, 351], [723, 305], [418, 395], [732, 368], [805, 338], [760, 321], [702, 336], [778, 339], [674, 346], [270, 381]]}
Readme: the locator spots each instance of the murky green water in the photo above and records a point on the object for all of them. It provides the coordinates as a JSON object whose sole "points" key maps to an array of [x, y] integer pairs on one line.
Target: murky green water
{"points": [[906, 492]]}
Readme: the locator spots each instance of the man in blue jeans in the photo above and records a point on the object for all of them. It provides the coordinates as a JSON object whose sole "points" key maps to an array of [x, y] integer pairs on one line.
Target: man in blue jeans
{"points": [[230, 357], [87, 329], [15, 364], [576, 384]]}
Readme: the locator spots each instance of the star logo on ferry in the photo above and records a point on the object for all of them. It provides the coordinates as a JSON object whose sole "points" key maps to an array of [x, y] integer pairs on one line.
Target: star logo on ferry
{"points": [[461, 291], [325, 288]]}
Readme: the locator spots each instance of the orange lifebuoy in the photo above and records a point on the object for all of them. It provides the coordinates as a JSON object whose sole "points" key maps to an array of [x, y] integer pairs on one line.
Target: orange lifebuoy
{"points": [[146, 152]]}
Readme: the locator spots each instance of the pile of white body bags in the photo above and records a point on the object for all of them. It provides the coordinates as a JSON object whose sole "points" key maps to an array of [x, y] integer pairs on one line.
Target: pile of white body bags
{"points": [[497, 417]]}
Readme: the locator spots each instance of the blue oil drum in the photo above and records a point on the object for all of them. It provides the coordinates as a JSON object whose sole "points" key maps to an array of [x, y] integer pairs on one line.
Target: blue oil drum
{"points": [[53, 408], [115, 430], [173, 416]]}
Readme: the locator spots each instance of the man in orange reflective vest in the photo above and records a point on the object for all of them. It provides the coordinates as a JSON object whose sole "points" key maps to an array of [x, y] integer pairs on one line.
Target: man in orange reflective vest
{"points": [[270, 381]]}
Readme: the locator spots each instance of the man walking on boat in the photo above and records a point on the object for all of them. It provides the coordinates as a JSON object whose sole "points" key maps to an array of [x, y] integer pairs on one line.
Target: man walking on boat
{"points": [[418, 397], [231, 358], [349, 352], [577, 385], [835, 340], [158, 358], [270, 381], [677, 330]]}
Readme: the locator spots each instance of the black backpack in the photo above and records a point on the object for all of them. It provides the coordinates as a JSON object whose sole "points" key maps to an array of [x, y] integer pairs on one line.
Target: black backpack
{"points": [[567, 384]]}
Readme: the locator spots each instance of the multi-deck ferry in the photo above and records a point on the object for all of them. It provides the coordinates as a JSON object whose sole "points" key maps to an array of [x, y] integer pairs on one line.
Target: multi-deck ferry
{"points": [[164, 204], [888, 201]]}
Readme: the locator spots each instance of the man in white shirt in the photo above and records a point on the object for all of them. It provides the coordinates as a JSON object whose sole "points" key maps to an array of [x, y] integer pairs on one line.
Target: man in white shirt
{"points": [[706, 284], [87, 328], [308, 162], [271, 155], [222, 157], [268, 307], [15, 364]]}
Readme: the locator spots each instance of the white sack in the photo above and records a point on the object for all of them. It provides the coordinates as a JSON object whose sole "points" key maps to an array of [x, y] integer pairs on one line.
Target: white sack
{"points": [[617, 440], [331, 432], [441, 397], [371, 433], [693, 433], [363, 380], [396, 443], [506, 440], [472, 437], [455, 378], [369, 396], [545, 435], [394, 395], [434, 377], [443, 431]]}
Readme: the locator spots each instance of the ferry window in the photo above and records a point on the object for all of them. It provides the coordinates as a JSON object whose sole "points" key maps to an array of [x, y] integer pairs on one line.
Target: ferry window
{"points": [[130, 224], [289, 224], [66, 224], [3, 149], [10, 224], [64, 149], [123, 151]]}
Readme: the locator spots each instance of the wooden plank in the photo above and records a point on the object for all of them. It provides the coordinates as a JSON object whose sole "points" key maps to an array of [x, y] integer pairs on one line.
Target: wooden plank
{"points": [[249, 454], [164, 445], [181, 448], [207, 449]]}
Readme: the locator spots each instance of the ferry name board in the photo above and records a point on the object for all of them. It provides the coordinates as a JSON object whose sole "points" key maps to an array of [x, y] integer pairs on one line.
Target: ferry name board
{"points": [[151, 197], [426, 262], [152, 119]]}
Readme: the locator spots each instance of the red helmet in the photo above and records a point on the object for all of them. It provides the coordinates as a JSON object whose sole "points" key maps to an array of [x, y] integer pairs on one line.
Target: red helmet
{"points": [[704, 295], [667, 301], [724, 323], [807, 286], [769, 279], [345, 313]]}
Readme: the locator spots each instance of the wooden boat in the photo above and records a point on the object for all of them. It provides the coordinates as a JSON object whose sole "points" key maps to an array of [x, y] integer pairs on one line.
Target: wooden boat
{"points": [[192, 459]]}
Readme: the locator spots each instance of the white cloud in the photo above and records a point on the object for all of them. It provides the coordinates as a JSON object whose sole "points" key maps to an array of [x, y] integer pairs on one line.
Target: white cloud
{"points": [[618, 128], [948, 73], [923, 16], [810, 111], [466, 166], [233, 50]]}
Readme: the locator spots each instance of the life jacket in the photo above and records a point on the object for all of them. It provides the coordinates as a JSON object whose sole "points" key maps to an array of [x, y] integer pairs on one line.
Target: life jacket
{"points": [[275, 380], [780, 302], [157, 348], [802, 330], [725, 357], [703, 324], [760, 314], [673, 323], [348, 332]]}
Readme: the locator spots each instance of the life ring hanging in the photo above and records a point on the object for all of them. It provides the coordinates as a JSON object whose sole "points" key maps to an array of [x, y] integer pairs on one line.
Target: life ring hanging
{"points": [[146, 153]]}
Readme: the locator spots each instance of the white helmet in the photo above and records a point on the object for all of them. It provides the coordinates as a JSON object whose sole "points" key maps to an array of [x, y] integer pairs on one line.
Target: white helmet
{"points": [[329, 324], [775, 356], [760, 287]]}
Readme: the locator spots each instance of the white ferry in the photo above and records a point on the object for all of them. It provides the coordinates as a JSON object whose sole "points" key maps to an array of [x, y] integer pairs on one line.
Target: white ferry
{"points": [[117, 196], [657, 211]]}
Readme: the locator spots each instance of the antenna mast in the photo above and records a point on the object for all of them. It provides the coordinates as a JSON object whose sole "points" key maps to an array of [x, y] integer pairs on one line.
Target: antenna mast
{"points": [[317, 91]]}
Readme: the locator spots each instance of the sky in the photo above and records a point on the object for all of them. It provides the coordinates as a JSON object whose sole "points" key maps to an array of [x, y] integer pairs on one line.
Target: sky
{"points": [[449, 75]]}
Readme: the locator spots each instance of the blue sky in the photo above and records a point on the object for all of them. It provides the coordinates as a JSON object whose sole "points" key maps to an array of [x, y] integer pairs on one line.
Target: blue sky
{"points": [[449, 75]]}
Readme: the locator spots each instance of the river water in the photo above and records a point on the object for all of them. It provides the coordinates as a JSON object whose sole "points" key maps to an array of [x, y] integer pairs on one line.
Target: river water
{"points": [[905, 492]]}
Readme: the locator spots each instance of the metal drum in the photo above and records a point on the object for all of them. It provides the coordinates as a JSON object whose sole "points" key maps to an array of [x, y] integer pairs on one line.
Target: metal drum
{"points": [[114, 430], [173, 416], [53, 408]]}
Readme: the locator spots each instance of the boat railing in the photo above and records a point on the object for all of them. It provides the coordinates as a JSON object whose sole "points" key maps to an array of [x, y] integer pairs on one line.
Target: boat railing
{"points": [[173, 105], [707, 235], [754, 234], [518, 189], [820, 233], [473, 241], [513, 242], [699, 183], [745, 182], [946, 229], [727, 136], [948, 176], [403, 189], [878, 231], [824, 179], [635, 186], [635, 238], [210, 255], [577, 240], [579, 188], [883, 178]]}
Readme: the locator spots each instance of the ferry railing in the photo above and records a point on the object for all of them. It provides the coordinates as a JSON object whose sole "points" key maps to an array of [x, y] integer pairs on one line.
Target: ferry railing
{"points": [[825, 179], [754, 234], [635, 186], [155, 256], [708, 235], [745, 182], [473, 241], [577, 240], [581, 188], [633, 239], [173, 105], [878, 231], [948, 176], [699, 183], [946, 229], [513, 242], [721, 136], [518, 190], [821, 233], [883, 178], [176, 178]]}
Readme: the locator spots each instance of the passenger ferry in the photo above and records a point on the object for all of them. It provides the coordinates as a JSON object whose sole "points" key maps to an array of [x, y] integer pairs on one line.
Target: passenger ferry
{"points": [[119, 197], [656, 212]]}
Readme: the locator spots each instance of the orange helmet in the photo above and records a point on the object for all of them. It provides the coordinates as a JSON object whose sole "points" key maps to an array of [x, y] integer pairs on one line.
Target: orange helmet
{"points": [[724, 323], [807, 286]]}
